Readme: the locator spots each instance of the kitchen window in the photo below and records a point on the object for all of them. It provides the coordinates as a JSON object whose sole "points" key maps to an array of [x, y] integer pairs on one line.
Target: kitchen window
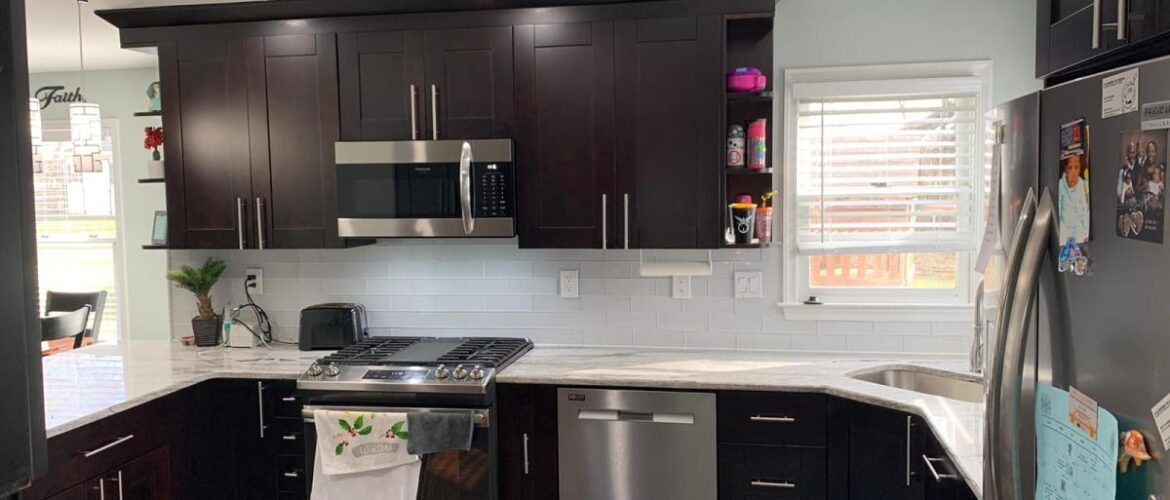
{"points": [[886, 185]]}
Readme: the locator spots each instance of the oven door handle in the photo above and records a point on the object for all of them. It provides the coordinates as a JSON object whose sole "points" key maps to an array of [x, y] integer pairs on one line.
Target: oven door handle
{"points": [[465, 160], [479, 417]]}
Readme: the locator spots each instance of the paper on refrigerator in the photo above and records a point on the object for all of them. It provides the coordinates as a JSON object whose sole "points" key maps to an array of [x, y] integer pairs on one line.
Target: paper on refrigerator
{"points": [[1071, 465]]}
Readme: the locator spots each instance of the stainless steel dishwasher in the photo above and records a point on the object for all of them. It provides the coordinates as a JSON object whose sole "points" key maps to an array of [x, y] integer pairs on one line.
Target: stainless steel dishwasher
{"points": [[636, 445]]}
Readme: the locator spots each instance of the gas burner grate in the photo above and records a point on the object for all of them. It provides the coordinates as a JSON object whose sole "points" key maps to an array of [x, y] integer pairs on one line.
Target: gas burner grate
{"points": [[487, 351], [370, 351], [484, 351]]}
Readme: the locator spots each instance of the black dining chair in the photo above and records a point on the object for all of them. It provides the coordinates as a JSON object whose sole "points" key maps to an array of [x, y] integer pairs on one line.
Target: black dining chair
{"points": [[63, 325], [72, 301]]}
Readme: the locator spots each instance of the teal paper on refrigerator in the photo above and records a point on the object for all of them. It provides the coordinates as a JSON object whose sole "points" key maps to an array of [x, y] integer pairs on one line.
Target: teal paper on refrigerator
{"points": [[1071, 464]]}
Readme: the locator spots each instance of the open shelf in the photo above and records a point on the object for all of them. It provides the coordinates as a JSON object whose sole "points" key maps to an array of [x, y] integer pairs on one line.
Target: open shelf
{"points": [[747, 245], [151, 180], [744, 171], [148, 113], [765, 97], [154, 247]]}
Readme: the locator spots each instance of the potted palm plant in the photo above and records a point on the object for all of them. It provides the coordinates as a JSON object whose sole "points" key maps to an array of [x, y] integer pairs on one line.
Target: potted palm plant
{"points": [[199, 281]]}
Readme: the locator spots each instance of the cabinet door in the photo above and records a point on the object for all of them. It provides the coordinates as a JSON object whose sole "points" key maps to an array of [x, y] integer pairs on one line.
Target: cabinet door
{"points": [[145, 478], [669, 143], [564, 101], [293, 120], [468, 90], [245, 409], [528, 444], [883, 451], [205, 115], [381, 86]]}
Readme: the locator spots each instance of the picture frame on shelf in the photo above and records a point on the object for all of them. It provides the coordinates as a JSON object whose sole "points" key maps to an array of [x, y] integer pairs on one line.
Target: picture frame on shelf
{"points": [[158, 233]]}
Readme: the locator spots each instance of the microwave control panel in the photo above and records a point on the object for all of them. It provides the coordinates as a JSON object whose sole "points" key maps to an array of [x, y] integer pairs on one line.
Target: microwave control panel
{"points": [[494, 191]]}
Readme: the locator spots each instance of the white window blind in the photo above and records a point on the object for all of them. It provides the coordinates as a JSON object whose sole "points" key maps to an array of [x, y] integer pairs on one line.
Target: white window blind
{"points": [[887, 166]]}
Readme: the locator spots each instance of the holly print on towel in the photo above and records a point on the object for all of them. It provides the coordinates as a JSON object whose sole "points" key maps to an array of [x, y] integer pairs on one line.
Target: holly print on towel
{"points": [[361, 427]]}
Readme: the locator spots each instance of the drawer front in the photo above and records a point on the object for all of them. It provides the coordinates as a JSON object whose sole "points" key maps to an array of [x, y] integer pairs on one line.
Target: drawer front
{"points": [[288, 401], [754, 471], [292, 473], [773, 418], [290, 436]]}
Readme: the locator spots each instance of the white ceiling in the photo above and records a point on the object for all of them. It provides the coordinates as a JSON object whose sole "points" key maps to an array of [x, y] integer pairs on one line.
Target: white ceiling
{"points": [[53, 40]]}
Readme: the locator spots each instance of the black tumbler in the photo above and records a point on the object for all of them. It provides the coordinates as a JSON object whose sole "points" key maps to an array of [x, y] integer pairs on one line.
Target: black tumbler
{"points": [[743, 222]]}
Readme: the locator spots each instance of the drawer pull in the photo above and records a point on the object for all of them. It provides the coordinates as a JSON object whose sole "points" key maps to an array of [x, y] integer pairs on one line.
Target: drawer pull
{"points": [[289, 399], [292, 474], [289, 437], [934, 472], [779, 420], [773, 484], [111, 444]]}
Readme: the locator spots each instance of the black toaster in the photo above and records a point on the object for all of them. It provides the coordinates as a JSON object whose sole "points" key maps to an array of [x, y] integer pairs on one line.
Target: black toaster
{"points": [[332, 326]]}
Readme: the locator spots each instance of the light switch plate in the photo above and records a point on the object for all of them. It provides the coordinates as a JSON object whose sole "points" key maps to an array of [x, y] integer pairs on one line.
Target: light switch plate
{"points": [[680, 287], [570, 284], [749, 285], [259, 280]]}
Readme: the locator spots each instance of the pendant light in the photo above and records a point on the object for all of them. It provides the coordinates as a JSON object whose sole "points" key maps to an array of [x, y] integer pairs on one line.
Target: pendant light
{"points": [[85, 118]]}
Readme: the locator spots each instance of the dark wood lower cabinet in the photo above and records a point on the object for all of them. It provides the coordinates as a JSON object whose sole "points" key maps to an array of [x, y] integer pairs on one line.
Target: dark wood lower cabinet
{"points": [[145, 478], [528, 442], [86, 491]]}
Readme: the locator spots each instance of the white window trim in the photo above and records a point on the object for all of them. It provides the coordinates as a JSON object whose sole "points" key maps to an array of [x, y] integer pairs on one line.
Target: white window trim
{"points": [[924, 307]]}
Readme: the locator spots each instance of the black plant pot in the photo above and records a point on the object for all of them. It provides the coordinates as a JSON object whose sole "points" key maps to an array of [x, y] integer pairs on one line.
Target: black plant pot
{"points": [[207, 331]]}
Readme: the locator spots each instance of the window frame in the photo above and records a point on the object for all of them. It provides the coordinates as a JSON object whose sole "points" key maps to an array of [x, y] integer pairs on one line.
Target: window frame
{"points": [[879, 303]]}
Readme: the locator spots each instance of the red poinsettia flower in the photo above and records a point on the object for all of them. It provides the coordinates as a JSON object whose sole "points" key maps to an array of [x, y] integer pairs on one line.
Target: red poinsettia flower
{"points": [[154, 137]]}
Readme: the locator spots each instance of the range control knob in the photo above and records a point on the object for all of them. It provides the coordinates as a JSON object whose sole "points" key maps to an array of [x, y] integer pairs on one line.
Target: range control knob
{"points": [[314, 369], [441, 372], [330, 370], [478, 373], [460, 372]]}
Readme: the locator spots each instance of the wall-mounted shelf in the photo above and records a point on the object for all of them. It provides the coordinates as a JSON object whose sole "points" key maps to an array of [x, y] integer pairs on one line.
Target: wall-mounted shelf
{"points": [[154, 247], [148, 113], [747, 245], [152, 180], [765, 97], [744, 171]]}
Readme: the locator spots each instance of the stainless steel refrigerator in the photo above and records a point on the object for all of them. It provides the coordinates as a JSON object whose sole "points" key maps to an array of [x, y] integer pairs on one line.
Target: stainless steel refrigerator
{"points": [[22, 424], [1107, 333]]}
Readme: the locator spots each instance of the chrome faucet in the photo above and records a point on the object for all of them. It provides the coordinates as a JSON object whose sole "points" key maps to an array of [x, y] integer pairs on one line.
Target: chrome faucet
{"points": [[977, 339]]}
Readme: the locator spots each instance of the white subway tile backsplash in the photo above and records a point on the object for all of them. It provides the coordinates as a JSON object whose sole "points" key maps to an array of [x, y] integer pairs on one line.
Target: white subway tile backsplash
{"points": [[490, 287]]}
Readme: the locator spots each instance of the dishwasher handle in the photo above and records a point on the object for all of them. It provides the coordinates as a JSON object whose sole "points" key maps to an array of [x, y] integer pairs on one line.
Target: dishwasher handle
{"points": [[635, 416]]}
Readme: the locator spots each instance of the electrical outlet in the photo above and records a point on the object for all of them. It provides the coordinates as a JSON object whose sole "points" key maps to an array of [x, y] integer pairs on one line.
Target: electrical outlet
{"points": [[749, 285], [680, 287], [570, 284], [254, 277]]}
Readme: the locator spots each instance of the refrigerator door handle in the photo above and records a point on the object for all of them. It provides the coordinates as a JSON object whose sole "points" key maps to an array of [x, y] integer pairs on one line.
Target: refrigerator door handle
{"points": [[994, 379], [1006, 446], [1096, 24]]}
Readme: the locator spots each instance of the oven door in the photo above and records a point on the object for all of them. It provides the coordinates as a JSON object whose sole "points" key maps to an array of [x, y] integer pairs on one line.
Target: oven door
{"points": [[425, 189], [453, 475]]}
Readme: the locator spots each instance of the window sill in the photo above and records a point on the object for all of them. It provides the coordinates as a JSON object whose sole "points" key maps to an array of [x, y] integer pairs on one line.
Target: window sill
{"points": [[878, 312]]}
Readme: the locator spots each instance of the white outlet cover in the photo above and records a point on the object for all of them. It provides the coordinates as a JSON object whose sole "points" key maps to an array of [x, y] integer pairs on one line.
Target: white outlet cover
{"points": [[680, 287], [259, 274], [570, 284], [749, 285]]}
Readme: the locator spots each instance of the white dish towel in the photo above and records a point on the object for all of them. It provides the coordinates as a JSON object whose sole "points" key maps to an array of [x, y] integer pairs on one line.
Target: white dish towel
{"points": [[362, 456]]}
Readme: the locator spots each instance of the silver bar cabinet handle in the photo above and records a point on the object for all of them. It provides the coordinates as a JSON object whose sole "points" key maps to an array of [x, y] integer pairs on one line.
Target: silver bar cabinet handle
{"points": [[120, 485], [604, 222], [525, 453], [762, 418], [1096, 24], [908, 424], [289, 399], [1122, 18], [773, 484], [240, 220], [260, 406], [107, 446], [435, 111], [259, 224], [413, 113], [102, 488], [292, 474], [289, 437], [626, 226], [934, 472]]}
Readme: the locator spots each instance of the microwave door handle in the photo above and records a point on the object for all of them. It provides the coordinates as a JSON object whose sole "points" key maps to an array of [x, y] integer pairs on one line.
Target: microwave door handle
{"points": [[465, 160]]}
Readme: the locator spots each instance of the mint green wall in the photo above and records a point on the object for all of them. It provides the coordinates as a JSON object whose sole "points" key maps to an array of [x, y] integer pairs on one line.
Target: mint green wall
{"points": [[819, 33], [146, 296]]}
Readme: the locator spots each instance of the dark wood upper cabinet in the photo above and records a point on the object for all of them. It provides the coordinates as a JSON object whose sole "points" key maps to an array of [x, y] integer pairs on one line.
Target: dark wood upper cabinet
{"points": [[206, 119], [381, 86], [565, 135], [1126, 32], [468, 83], [669, 143], [293, 121]]}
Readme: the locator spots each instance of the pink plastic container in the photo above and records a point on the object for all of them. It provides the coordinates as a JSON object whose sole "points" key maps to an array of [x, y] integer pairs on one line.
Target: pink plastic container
{"points": [[746, 80], [757, 139]]}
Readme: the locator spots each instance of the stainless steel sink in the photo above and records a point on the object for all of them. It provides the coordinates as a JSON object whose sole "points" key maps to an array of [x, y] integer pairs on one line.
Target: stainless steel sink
{"points": [[951, 387]]}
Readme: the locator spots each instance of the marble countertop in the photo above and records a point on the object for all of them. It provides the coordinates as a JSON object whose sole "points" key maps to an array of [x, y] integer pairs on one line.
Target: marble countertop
{"points": [[89, 384]]}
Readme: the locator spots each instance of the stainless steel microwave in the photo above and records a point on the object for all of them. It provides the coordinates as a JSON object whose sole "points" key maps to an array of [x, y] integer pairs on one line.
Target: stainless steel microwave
{"points": [[426, 189]]}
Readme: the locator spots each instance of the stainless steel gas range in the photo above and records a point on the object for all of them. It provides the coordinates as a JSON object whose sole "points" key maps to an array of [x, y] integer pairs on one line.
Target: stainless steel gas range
{"points": [[420, 374]]}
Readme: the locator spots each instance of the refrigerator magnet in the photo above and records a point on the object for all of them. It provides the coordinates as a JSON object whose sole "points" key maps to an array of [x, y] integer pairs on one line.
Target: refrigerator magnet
{"points": [[1073, 202], [1141, 186]]}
